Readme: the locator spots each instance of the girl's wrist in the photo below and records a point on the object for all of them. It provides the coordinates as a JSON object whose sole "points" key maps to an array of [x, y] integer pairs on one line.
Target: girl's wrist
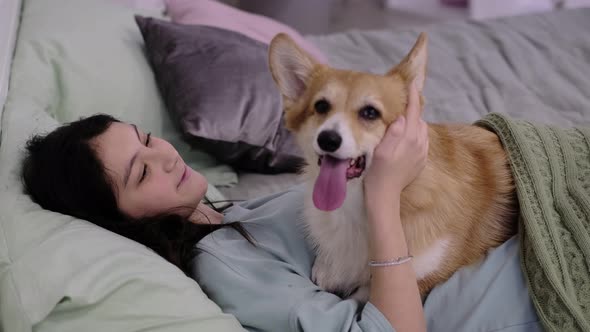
{"points": [[387, 238], [386, 234], [384, 214], [382, 198]]}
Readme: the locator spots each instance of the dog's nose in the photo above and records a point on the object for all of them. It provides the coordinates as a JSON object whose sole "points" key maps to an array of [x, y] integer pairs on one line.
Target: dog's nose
{"points": [[329, 140]]}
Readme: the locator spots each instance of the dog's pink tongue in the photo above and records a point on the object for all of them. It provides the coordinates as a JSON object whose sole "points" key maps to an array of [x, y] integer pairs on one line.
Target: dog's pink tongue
{"points": [[329, 190]]}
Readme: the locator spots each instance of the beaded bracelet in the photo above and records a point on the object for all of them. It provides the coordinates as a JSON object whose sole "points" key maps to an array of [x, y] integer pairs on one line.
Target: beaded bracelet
{"points": [[393, 262]]}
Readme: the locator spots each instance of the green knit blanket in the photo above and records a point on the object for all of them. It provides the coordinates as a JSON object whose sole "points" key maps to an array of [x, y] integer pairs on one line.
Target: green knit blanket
{"points": [[551, 167]]}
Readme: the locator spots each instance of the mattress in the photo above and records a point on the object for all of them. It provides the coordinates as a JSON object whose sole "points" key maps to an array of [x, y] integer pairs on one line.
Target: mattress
{"points": [[534, 67], [9, 19]]}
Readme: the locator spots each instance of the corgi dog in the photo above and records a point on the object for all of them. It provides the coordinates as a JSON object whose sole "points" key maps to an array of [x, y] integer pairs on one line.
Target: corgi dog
{"points": [[462, 204]]}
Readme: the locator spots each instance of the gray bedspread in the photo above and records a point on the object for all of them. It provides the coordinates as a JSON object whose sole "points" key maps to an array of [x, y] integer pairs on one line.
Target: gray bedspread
{"points": [[534, 67]]}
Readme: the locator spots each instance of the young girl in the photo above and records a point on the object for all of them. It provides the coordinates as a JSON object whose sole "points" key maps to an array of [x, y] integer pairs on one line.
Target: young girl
{"points": [[253, 259]]}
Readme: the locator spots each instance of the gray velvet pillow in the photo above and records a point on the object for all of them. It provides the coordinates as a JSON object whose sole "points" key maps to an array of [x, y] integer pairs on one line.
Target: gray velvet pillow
{"points": [[217, 85]]}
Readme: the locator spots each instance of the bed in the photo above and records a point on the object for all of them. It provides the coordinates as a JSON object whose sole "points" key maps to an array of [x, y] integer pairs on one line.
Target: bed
{"points": [[58, 273], [474, 68]]}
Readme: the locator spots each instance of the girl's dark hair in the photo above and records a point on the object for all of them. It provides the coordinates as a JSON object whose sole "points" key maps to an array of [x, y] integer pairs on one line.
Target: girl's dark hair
{"points": [[62, 173]]}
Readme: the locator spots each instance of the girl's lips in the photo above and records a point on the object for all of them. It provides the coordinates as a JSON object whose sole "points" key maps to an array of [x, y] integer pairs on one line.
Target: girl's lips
{"points": [[185, 175]]}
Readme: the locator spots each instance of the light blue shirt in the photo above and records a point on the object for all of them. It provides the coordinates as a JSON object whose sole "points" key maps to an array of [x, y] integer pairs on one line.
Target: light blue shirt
{"points": [[268, 287]]}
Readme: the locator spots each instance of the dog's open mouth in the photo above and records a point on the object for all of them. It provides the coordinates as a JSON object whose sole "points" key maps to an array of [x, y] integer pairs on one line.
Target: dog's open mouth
{"points": [[356, 166], [329, 190]]}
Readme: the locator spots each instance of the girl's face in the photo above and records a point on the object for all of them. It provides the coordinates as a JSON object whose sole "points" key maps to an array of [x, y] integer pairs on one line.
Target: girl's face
{"points": [[148, 175]]}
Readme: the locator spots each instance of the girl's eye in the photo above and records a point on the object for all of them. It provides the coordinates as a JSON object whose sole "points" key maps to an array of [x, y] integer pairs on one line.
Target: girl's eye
{"points": [[143, 174], [145, 170]]}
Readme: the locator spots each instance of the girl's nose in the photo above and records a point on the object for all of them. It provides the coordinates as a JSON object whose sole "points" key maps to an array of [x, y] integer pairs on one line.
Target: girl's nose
{"points": [[170, 161]]}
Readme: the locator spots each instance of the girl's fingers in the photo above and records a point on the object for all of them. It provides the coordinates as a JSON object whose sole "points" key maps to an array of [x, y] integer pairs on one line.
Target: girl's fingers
{"points": [[394, 131], [425, 136], [413, 108]]}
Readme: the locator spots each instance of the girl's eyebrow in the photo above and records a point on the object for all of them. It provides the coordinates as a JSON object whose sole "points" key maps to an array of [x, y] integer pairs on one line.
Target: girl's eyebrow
{"points": [[132, 161]]}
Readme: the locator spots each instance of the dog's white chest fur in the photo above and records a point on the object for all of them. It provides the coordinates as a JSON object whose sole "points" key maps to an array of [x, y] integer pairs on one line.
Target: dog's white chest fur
{"points": [[341, 241]]}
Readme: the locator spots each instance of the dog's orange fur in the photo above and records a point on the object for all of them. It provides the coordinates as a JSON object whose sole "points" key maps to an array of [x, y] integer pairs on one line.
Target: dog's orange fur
{"points": [[466, 190]]}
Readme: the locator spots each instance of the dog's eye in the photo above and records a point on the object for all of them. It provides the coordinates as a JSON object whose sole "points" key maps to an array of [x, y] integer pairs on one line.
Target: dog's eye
{"points": [[322, 106], [369, 113]]}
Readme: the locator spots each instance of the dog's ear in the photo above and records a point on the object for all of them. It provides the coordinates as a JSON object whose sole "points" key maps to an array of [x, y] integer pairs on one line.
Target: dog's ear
{"points": [[290, 66], [413, 66]]}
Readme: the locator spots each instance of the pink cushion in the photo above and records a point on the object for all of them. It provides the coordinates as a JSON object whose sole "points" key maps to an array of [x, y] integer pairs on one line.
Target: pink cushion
{"points": [[217, 14]]}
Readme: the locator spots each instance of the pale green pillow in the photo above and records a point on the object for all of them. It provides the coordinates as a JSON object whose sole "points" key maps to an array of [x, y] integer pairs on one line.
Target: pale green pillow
{"points": [[62, 274]]}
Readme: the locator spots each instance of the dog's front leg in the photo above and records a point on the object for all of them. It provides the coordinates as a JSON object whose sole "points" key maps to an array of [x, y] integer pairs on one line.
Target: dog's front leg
{"points": [[361, 294], [320, 274], [331, 277]]}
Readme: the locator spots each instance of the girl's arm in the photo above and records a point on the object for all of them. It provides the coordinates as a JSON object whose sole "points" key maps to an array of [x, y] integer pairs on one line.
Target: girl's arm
{"points": [[394, 290], [397, 161]]}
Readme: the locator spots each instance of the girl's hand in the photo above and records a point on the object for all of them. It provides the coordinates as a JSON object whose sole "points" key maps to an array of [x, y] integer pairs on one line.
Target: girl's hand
{"points": [[401, 155]]}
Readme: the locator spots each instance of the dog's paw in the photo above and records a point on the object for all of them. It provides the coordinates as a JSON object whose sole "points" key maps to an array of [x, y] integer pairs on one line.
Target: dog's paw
{"points": [[319, 274], [361, 294], [323, 276]]}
